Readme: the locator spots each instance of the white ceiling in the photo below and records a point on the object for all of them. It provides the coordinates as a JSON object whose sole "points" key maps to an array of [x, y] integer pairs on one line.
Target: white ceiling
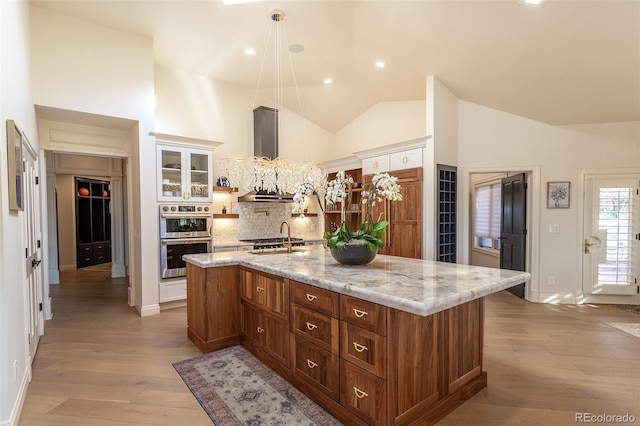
{"points": [[565, 62]]}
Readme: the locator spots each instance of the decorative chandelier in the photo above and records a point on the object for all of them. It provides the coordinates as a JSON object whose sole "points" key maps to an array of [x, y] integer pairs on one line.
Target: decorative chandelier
{"points": [[274, 175]]}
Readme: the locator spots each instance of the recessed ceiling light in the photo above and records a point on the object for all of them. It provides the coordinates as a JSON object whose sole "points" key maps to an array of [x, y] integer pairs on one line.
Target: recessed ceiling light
{"points": [[380, 64], [250, 51], [328, 80], [228, 2], [533, 2], [296, 48]]}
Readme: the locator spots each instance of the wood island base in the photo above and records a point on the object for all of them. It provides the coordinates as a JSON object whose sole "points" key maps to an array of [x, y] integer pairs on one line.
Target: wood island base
{"points": [[363, 362]]}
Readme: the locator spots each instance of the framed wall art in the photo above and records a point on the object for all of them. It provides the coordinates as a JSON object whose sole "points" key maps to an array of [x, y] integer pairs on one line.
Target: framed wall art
{"points": [[558, 195], [14, 165]]}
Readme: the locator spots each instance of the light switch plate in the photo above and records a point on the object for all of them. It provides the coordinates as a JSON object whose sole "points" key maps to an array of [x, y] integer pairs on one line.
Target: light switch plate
{"points": [[554, 229]]}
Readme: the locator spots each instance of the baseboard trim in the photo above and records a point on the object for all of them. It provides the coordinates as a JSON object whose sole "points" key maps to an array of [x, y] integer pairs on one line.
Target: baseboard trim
{"points": [[149, 310], [68, 267], [173, 304], [19, 402], [118, 270]]}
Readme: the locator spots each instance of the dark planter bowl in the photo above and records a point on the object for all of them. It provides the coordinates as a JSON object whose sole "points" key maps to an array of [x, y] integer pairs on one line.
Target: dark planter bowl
{"points": [[356, 254]]}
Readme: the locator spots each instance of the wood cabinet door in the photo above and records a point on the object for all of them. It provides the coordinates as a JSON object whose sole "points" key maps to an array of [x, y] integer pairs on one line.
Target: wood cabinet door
{"points": [[363, 393], [317, 366], [405, 218], [267, 291], [269, 332]]}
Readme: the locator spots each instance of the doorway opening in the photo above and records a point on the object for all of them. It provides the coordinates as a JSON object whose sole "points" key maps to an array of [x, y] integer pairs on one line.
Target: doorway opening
{"points": [[499, 215]]}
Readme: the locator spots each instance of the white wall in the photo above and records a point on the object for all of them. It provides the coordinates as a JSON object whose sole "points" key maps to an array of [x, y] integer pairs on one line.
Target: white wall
{"points": [[94, 69], [442, 125], [492, 140], [66, 222], [16, 103], [198, 107], [382, 124]]}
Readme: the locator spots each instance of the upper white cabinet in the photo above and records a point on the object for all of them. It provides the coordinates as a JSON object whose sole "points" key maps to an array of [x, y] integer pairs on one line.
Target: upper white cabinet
{"points": [[405, 159], [184, 174], [398, 156], [377, 164]]}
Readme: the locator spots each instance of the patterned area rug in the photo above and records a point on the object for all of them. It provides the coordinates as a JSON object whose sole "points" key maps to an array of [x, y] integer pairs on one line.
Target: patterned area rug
{"points": [[631, 328], [630, 308], [235, 388]]}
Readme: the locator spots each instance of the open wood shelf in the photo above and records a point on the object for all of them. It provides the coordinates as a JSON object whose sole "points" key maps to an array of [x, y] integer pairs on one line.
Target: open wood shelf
{"points": [[228, 189], [226, 215]]}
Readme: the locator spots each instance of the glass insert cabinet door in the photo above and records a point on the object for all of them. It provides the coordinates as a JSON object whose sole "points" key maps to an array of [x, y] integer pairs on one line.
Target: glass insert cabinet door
{"points": [[199, 175], [184, 174]]}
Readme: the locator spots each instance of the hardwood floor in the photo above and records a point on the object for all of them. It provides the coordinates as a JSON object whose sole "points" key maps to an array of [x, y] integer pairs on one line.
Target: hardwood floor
{"points": [[99, 363]]}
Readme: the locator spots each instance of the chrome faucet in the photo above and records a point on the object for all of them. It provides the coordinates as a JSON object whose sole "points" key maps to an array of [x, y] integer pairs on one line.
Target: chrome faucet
{"points": [[288, 234]]}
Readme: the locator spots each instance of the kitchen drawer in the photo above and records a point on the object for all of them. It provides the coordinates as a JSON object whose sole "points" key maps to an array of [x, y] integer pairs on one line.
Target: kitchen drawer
{"points": [[320, 329], [405, 159], [85, 249], [362, 393], [316, 298], [367, 315], [99, 258], [317, 366], [269, 332], [84, 260], [364, 348], [99, 247], [267, 291]]}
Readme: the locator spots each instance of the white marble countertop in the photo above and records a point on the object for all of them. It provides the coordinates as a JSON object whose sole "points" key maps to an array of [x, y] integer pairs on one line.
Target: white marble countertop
{"points": [[418, 286]]}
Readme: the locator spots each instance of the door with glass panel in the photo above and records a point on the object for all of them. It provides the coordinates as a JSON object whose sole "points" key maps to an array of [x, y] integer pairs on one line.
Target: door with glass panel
{"points": [[611, 245]]}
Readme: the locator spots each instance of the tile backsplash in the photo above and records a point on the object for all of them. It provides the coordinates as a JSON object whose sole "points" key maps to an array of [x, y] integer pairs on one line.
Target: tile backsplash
{"points": [[262, 220]]}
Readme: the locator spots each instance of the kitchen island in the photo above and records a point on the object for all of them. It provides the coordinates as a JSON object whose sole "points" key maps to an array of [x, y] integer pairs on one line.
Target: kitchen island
{"points": [[398, 341]]}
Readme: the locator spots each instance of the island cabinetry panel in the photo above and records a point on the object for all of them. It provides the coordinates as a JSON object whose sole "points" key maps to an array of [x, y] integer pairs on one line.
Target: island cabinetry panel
{"points": [[315, 298], [464, 340], [269, 332], [318, 367], [213, 307], [365, 363], [363, 393], [413, 360], [268, 292]]}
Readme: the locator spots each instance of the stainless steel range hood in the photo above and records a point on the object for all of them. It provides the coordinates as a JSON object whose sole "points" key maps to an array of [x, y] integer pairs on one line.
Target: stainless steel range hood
{"points": [[265, 144], [264, 196]]}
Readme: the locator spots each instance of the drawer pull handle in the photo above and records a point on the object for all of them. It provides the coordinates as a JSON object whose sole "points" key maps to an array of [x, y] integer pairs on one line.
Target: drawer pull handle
{"points": [[259, 289], [359, 313], [311, 326], [260, 330], [359, 394], [311, 364], [311, 297], [360, 348]]}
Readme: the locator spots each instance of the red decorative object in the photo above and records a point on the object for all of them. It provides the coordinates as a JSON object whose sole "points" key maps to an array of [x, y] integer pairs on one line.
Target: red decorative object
{"points": [[83, 191], [105, 194]]}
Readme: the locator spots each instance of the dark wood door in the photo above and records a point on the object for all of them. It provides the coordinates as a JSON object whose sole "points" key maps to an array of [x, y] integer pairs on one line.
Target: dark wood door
{"points": [[513, 226]]}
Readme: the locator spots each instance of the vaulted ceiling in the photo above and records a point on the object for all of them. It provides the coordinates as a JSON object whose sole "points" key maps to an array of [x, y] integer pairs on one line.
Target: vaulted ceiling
{"points": [[565, 62]]}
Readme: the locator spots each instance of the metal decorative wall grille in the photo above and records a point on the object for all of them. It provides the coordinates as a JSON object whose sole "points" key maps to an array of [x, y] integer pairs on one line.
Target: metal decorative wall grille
{"points": [[447, 208]]}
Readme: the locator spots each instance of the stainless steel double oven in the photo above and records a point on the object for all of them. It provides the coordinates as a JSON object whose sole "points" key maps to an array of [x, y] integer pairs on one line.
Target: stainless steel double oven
{"points": [[184, 229]]}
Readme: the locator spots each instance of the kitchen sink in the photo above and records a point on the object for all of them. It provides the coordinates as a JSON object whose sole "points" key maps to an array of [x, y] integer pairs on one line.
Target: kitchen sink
{"points": [[279, 250]]}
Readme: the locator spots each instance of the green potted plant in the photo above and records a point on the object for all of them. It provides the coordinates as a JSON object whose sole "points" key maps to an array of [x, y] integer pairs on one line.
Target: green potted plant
{"points": [[360, 245]]}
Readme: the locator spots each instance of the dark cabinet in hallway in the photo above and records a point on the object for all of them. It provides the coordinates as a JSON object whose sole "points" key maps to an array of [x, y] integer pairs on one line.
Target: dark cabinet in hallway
{"points": [[93, 222]]}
